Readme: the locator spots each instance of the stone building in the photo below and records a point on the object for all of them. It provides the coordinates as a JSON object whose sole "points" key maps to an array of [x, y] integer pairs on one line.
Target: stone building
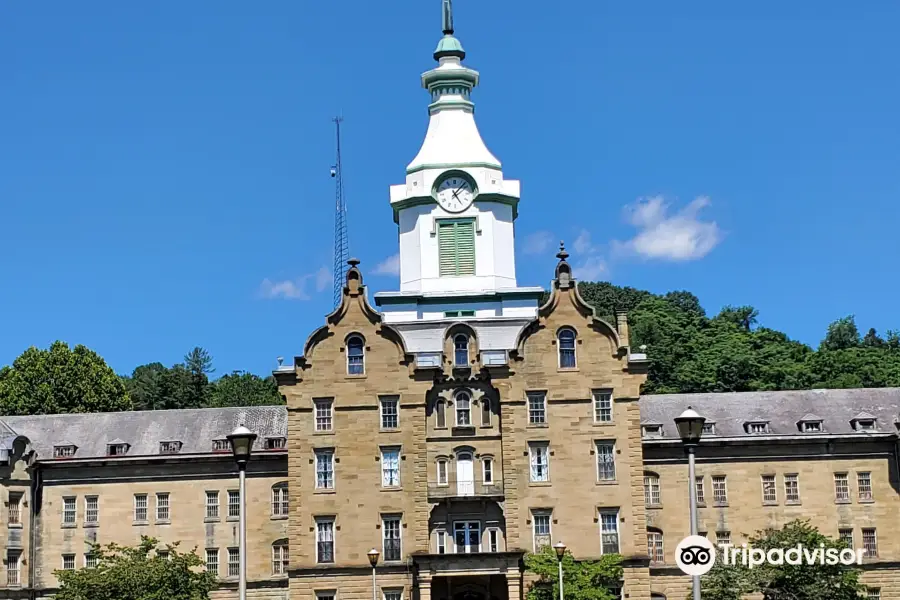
{"points": [[453, 425]]}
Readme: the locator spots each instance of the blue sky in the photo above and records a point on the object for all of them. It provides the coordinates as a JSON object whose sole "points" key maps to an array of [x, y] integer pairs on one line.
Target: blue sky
{"points": [[159, 162]]}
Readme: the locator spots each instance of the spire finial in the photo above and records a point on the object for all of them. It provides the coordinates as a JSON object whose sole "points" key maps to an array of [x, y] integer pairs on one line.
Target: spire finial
{"points": [[447, 20], [562, 255]]}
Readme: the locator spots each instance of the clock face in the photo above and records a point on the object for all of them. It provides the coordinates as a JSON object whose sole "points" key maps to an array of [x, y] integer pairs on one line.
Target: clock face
{"points": [[455, 194]]}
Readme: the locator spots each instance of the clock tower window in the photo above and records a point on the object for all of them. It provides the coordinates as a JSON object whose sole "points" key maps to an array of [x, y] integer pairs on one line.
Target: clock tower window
{"points": [[456, 247]]}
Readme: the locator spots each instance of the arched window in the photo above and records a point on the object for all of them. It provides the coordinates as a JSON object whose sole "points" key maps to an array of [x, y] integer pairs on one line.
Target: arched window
{"points": [[356, 356], [655, 546], [463, 409], [461, 350], [651, 489], [440, 414], [566, 341], [280, 499]]}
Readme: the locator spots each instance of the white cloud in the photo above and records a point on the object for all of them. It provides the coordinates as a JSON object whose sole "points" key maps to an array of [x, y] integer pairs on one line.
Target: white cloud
{"points": [[539, 242], [324, 279], [389, 266], [681, 236], [296, 289], [591, 268], [583, 244]]}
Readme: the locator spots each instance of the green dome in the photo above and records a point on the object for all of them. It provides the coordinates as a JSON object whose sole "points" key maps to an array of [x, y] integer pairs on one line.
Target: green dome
{"points": [[449, 46]]}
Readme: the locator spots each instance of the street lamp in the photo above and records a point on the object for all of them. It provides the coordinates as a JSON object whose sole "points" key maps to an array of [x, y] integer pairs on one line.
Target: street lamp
{"points": [[560, 549], [690, 429], [241, 445], [373, 560]]}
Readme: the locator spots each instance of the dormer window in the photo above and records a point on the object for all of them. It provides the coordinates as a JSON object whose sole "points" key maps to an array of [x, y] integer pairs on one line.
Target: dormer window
{"points": [[221, 445], [652, 430], [116, 448], [863, 422], [64, 451], [276, 443], [709, 428], [173, 447], [811, 426], [757, 427]]}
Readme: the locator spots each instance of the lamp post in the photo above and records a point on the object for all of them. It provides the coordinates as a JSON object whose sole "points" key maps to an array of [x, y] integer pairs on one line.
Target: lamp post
{"points": [[373, 560], [241, 445], [560, 549], [690, 428]]}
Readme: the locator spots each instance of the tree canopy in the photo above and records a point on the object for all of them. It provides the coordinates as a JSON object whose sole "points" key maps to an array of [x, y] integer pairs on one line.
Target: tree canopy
{"points": [[582, 580]]}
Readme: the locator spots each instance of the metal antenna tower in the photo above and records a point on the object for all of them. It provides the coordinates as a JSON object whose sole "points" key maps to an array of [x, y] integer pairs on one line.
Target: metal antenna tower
{"points": [[341, 240]]}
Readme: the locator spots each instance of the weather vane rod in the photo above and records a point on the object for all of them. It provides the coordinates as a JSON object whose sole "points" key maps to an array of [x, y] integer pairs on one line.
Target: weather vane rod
{"points": [[448, 17]]}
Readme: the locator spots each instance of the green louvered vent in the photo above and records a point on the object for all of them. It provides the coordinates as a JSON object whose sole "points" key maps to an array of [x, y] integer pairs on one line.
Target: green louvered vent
{"points": [[456, 247]]}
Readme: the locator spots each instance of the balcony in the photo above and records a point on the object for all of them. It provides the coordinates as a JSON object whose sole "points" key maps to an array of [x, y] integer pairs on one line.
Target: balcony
{"points": [[462, 490]]}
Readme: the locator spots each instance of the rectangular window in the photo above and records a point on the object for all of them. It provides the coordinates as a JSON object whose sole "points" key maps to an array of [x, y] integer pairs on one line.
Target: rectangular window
{"points": [[758, 428], [68, 511], [537, 408], [709, 429], [324, 420], [540, 462], [698, 483], [90, 561], [390, 414], [864, 485], [768, 489], [442, 472], [276, 443], [841, 487], [846, 536], [651, 490], [870, 542], [393, 595], [91, 510], [812, 426], [441, 542], [485, 412], [440, 414], [162, 506], [324, 470], [494, 540], [602, 407], [609, 531], [280, 560], [720, 490], [280, 501], [234, 562], [792, 488], [390, 467], [456, 247], [68, 562], [212, 504], [541, 522], [140, 507], [606, 461], [467, 536], [212, 561], [221, 446], [329, 595], [234, 503], [13, 511], [325, 540], [453, 314], [390, 527], [873, 594], [488, 465], [655, 547], [13, 560], [723, 537]]}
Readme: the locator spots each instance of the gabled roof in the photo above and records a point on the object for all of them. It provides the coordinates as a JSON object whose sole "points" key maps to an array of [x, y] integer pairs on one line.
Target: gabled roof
{"points": [[864, 416], [810, 417]]}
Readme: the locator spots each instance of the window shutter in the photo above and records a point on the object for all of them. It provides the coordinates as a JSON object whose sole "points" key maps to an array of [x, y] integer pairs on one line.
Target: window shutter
{"points": [[447, 248], [465, 248]]}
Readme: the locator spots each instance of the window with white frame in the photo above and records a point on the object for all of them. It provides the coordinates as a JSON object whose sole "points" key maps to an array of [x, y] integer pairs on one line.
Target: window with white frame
{"points": [[655, 546], [442, 471], [606, 461], [163, 554], [487, 464], [537, 408], [280, 504], [540, 461], [493, 540], [463, 409], [440, 414], [276, 443], [234, 562], [441, 541], [566, 341], [709, 428], [390, 467], [13, 566], [90, 560], [467, 536], [392, 595], [68, 562], [324, 469], [234, 503], [356, 355], [324, 414], [651, 489], [461, 350], [873, 593], [769, 493], [792, 487], [864, 485], [280, 558], [758, 427], [326, 595], [720, 489], [609, 530], [325, 540], [14, 508], [68, 511], [390, 531], [63, 451], [91, 510], [841, 487], [390, 412], [602, 407], [140, 507], [541, 529], [221, 445], [212, 504], [812, 426], [212, 561], [870, 542], [162, 506], [698, 486]]}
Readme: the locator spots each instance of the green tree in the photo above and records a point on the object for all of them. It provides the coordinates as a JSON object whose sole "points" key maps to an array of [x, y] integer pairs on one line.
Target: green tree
{"points": [[198, 363], [744, 317], [841, 334], [582, 580], [871, 339], [138, 573], [244, 389], [60, 380]]}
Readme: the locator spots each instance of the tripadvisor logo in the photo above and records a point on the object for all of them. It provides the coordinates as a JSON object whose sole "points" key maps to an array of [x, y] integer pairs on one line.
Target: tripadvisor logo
{"points": [[696, 555]]}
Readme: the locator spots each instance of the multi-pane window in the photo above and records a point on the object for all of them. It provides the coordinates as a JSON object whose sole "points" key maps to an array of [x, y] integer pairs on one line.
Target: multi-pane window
{"points": [[841, 487], [792, 488], [655, 546], [326, 595], [441, 542], [280, 501], [485, 412], [324, 469], [390, 527], [90, 560], [602, 407], [234, 562], [234, 503], [651, 489], [537, 408], [864, 485], [14, 509], [723, 538], [870, 542], [390, 467], [606, 461], [63, 451], [169, 447], [140, 507], [488, 470], [280, 559], [13, 560], [846, 536], [456, 247], [68, 516], [162, 506], [390, 415], [356, 356], [467, 536], [442, 472], [324, 419], [212, 561], [812, 426], [698, 487], [709, 428], [566, 340], [540, 462], [541, 521], [873, 594], [493, 540], [609, 531], [463, 409], [68, 562], [461, 350], [221, 445], [91, 510], [276, 443], [212, 504], [393, 595], [769, 493], [325, 540], [440, 414], [720, 489], [758, 428]]}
